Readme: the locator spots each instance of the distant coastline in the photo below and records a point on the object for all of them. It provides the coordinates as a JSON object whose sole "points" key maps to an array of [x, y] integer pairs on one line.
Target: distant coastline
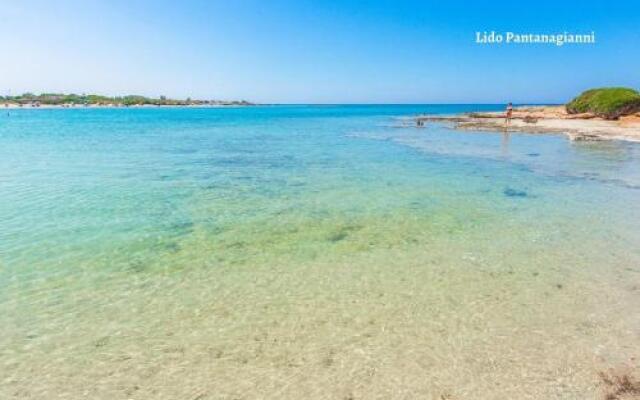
{"points": [[61, 100], [13, 106]]}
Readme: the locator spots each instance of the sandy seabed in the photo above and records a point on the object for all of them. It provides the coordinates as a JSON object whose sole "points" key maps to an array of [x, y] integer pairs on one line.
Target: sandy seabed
{"points": [[457, 317], [230, 261]]}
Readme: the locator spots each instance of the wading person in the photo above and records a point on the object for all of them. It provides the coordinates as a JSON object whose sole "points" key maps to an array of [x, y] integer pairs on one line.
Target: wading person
{"points": [[507, 119]]}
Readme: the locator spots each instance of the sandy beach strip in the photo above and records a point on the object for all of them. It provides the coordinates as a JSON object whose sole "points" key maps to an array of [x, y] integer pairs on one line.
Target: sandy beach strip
{"points": [[545, 119]]}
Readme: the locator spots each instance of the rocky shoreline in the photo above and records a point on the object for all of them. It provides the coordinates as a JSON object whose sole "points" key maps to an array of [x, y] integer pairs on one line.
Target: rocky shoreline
{"points": [[545, 120]]}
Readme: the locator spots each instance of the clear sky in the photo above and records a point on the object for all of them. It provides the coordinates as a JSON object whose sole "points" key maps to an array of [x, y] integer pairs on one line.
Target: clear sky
{"points": [[303, 51]]}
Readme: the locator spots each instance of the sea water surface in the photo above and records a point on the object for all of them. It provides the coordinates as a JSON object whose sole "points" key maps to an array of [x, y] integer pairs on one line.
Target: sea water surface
{"points": [[317, 252]]}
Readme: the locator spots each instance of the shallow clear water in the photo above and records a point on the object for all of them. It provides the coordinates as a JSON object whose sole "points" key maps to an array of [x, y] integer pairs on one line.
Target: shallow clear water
{"points": [[310, 252]]}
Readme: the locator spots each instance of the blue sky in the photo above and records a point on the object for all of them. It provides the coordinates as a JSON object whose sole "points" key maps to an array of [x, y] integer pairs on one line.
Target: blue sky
{"points": [[299, 51]]}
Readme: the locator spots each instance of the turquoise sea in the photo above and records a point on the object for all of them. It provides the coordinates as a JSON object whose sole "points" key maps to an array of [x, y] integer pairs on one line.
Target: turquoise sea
{"points": [[311, 252]]}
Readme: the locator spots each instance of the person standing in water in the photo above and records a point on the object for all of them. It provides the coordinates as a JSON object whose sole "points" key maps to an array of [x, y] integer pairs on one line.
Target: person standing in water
{"points": [[507, 119]]}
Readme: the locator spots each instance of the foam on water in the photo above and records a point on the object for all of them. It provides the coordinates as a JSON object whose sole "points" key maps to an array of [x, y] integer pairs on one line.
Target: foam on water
{"points": [[310, 252]]}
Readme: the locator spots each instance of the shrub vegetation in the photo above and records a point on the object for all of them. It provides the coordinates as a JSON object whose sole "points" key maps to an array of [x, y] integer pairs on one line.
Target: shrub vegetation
{"points": [[94, 99], [609, 103]]}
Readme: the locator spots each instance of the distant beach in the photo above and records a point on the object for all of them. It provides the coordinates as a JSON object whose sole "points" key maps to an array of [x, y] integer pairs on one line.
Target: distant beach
{"points": [[545, 119], [609, 113], [80, 106], [72, 100]]}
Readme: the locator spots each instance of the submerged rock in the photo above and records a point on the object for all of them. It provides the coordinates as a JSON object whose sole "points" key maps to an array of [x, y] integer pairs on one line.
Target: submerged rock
{"points": [[510, 192]]}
